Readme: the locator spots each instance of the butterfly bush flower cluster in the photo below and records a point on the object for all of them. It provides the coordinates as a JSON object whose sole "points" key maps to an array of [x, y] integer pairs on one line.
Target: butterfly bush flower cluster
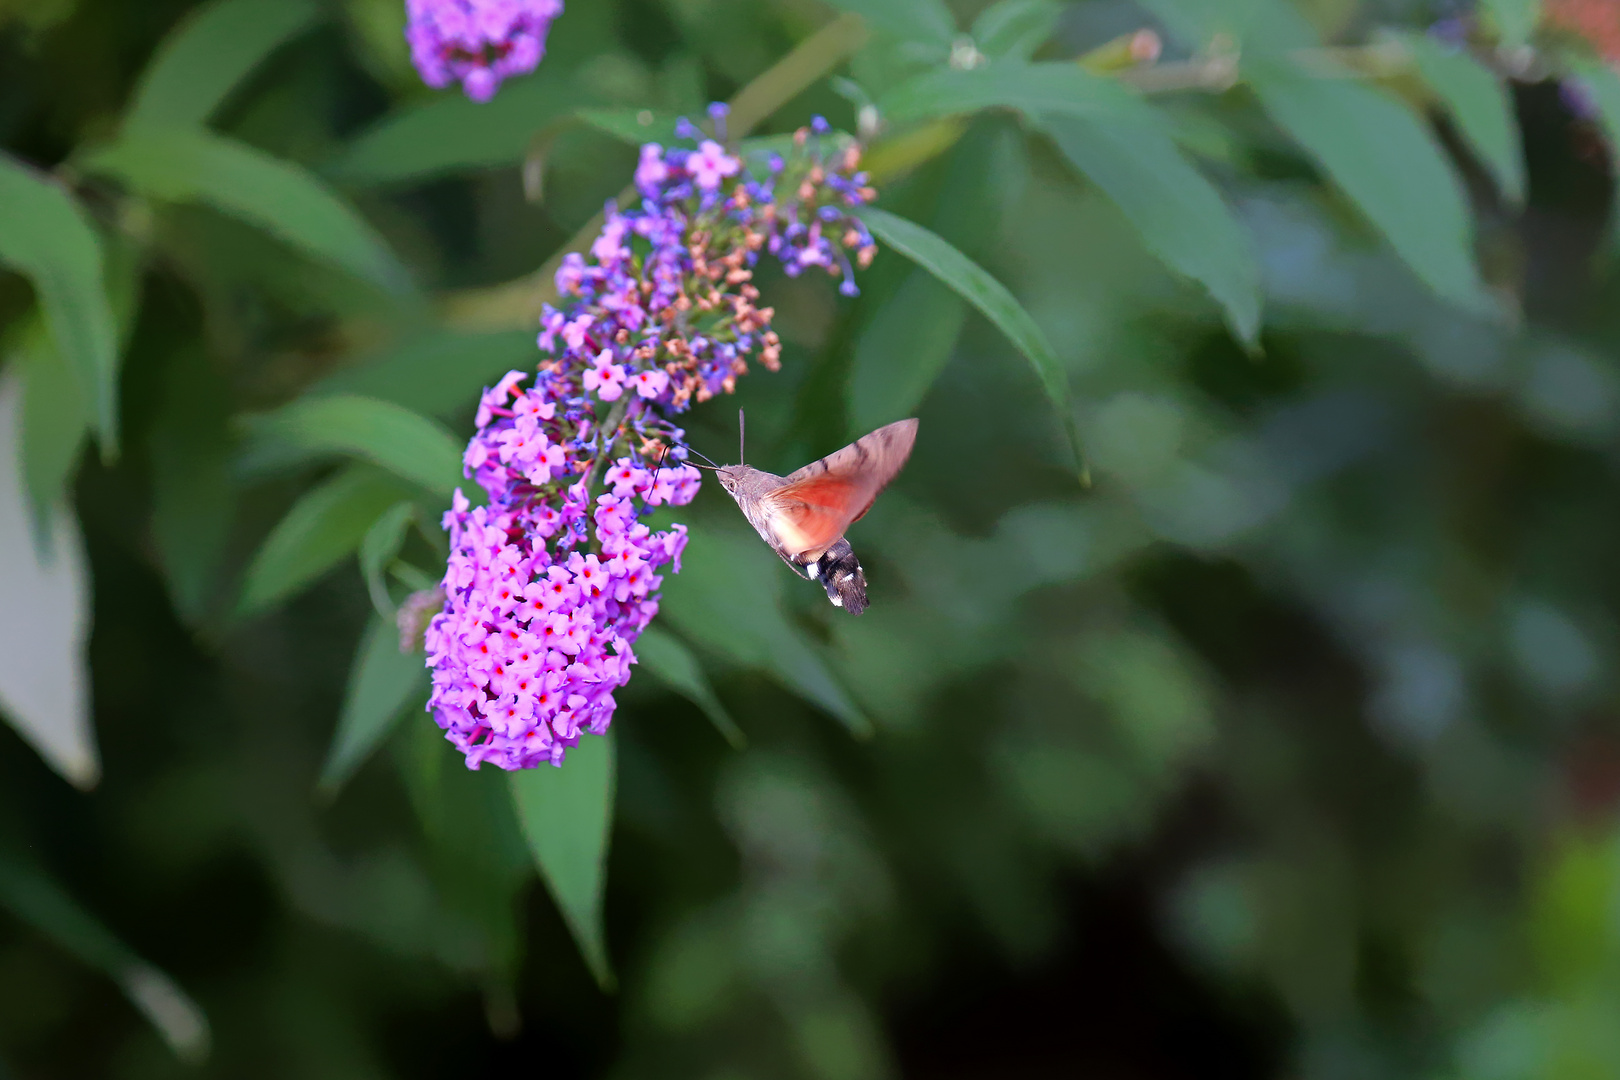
{"points": [[477, 42], [549, 584]]}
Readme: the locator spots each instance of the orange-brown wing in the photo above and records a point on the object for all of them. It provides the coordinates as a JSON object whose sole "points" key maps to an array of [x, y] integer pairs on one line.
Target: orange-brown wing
{"points": [[821, 500]]}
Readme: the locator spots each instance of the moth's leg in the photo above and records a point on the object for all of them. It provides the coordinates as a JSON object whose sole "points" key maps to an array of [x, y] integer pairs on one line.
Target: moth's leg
{"points": [[795, 567]]}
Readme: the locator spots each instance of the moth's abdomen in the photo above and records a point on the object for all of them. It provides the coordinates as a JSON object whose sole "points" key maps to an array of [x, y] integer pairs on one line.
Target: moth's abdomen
{"points": [[840, 573]]}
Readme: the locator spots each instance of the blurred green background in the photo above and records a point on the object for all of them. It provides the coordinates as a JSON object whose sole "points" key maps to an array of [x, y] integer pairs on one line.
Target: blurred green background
{"points": [[1288, 748]]}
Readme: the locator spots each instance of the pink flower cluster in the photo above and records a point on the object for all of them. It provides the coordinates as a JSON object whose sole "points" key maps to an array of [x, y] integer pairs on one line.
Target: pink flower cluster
{"points": [[539, 623], [477, 42], [548, 586]]}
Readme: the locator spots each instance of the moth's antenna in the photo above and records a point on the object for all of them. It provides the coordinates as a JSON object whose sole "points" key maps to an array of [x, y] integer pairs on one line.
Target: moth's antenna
{"points": [[660, 468], [742, 458]]}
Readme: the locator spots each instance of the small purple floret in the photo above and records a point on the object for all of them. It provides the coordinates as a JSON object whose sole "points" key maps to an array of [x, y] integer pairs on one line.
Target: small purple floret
{"points": [[477, 42]]}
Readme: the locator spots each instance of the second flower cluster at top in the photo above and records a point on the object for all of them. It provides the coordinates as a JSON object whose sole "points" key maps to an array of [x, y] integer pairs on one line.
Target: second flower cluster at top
{"points": [[548, 587]]}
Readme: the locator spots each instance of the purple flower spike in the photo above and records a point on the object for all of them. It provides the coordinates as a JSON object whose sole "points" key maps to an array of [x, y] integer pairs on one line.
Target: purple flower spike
{"points": [[548, 587], [477, 42]]}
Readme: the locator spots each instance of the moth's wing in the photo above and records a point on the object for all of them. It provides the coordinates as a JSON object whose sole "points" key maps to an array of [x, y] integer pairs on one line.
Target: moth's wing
{"points": [[818, 502]]}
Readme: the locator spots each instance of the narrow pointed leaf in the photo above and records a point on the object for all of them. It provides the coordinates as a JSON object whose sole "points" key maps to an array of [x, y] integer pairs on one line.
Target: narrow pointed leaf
{"points": [[1181, 217], [322, 528], [1479, 103], [971, 282], [667, 657], [184, 165], [381, 543], [405, 443], [727, 599], [902, 351], [1388, 163], [44, 617], [44, 234], [38, 900], [210, 53], [382, 683], [567, 816]]}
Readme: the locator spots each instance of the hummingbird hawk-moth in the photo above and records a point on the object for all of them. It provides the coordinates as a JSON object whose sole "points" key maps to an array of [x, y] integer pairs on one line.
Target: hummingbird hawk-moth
{"points": [[803, 515]]}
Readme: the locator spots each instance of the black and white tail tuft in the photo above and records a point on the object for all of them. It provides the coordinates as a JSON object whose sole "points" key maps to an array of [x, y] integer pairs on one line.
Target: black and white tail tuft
{"points": [[840, 573]]}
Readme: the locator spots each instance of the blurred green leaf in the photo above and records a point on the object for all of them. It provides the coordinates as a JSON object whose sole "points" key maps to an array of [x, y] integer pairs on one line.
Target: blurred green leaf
{"points": [[1515, 19], [1388, 163], [1182, 218], [382, 682], [54, 425], [667, 657], [435, 372], [39, 901], [45, 235], [902, 351], [567, 815], [44, 616], [1251, 26], [1037, 89], [1479, 103], [992, 299], [728, 598], [209, 54], [326, 524], [450, 132], [928, 21], [632, 126], [183, 165], [1014, 29], [193, 498], [382, 542], [405, 443]]}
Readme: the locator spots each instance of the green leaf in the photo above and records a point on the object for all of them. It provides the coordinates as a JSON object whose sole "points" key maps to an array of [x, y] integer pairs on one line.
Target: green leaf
{"points": [[323, 527], [728, 599], [1256, 27], [44, 617], [193, 497], [1014, 29], [664, 654], [435, 372], [382, 682], [1479, 103], [1036, 89], [451, 133], [1182, 218], [209, 53], [928, 21], [39, 901], [632, 126], [183, 165], [902, 351], [969, 281], [567, 816], [407, 444], [54, 425], [45, 235], [1388, 163], [1515, 19], [382, 542]]}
